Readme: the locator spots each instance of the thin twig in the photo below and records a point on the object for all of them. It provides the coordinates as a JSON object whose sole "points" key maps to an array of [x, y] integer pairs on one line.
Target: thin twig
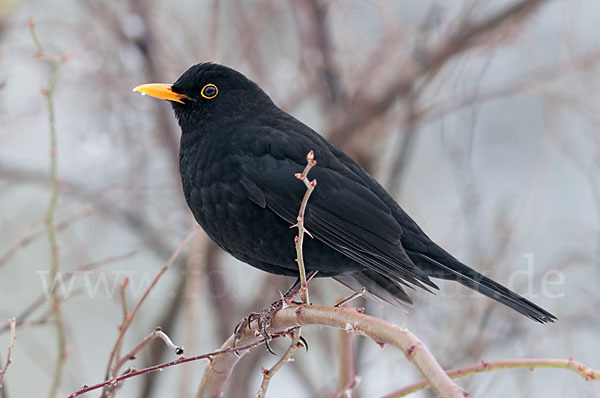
{"points": [[50, 230], [157, 333], [123, 296], [31, 308], [470, 35], [132, 314], [298, 241], [42, 320], [31, 237], [353, 296], [131, 218], [483, 366], [210, 356], [13, 337], [286, 357]]}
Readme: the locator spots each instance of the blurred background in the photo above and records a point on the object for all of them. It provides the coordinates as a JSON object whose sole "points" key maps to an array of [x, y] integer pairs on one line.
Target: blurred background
{"points": [[480, 117]]}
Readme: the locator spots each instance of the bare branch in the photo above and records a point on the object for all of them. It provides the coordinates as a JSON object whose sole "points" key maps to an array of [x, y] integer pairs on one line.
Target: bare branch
{"points": [[31, 237], [287, 357], [132, 314], [13, 337], [48, 93], [31, 308], [218, 372], [133, 373], [157, 333], [298, 241], [483, 366], [467, 37]]}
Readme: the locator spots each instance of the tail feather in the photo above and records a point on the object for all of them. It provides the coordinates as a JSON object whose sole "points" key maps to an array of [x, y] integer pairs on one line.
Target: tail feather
{"points": [[453, 269]]}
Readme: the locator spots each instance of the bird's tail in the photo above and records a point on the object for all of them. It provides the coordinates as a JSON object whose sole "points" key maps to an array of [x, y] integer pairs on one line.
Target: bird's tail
{"points": [[451, 269]]}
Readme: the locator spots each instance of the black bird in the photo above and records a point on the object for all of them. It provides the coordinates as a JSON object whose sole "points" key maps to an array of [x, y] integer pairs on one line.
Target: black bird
{"points": [[239, 153]]}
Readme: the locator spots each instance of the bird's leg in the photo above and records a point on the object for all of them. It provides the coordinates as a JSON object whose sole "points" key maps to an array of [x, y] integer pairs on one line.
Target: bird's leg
{"points": [[264, 317]]}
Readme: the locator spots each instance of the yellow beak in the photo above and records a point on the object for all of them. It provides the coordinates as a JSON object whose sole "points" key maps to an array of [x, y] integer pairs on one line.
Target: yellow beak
{"points": [[162, 91]]}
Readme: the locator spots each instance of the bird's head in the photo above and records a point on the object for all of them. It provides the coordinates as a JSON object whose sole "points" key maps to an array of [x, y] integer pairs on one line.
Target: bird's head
{"points": [[209, 93]]}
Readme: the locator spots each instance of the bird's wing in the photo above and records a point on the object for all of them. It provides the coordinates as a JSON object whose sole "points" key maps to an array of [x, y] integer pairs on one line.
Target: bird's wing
{"points": [[342, 211]]}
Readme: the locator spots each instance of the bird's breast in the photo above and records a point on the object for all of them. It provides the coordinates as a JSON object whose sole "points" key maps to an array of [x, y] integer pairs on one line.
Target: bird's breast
{"points": [[219, 202]]}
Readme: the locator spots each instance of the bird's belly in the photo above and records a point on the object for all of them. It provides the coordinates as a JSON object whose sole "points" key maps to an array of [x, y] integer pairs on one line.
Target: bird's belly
{"points": [[256, 235], [249, 232]]}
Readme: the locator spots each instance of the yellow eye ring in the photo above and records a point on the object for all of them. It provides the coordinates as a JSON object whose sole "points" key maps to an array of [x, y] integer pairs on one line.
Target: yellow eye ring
{"points": [[209, 91]]}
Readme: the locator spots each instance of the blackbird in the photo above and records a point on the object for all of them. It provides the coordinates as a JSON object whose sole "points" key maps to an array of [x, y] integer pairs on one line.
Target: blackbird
{"points": [[238, 156]]}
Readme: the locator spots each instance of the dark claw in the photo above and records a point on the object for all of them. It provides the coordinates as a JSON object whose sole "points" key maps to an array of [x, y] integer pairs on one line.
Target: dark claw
{"points": [[263, 328], [252, 316], [237, 334], [268, 347], [263, 325], [264, 318], [304, 342]]}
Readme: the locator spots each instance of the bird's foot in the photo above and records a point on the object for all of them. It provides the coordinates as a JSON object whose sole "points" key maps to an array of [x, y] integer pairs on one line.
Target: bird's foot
{"points": [[264, 317]]}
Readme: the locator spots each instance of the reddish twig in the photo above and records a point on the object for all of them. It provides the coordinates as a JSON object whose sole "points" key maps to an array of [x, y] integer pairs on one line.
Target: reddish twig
{"points": [[298, 241], [132, 314], [133, 373], [13, 337], [123, 296], [484, 366], [157, 333], [285, 358]]}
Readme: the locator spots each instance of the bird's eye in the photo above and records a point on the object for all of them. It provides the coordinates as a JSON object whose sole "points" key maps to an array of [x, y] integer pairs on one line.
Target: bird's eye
{"points": [[209, 91]]}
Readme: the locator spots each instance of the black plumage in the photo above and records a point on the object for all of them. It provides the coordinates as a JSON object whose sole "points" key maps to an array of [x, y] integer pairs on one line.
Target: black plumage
{"points": [[239, 154]]}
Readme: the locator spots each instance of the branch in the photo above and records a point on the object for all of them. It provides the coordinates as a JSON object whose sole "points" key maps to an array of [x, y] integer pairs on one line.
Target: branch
{"points": [[287, 357], [132, 314], [157, 333], [29, 238], [531, 364], [48, 92], [218, 372], [465, 38], [37, 303], [298, 241], [133, 373], [13, 337]]}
